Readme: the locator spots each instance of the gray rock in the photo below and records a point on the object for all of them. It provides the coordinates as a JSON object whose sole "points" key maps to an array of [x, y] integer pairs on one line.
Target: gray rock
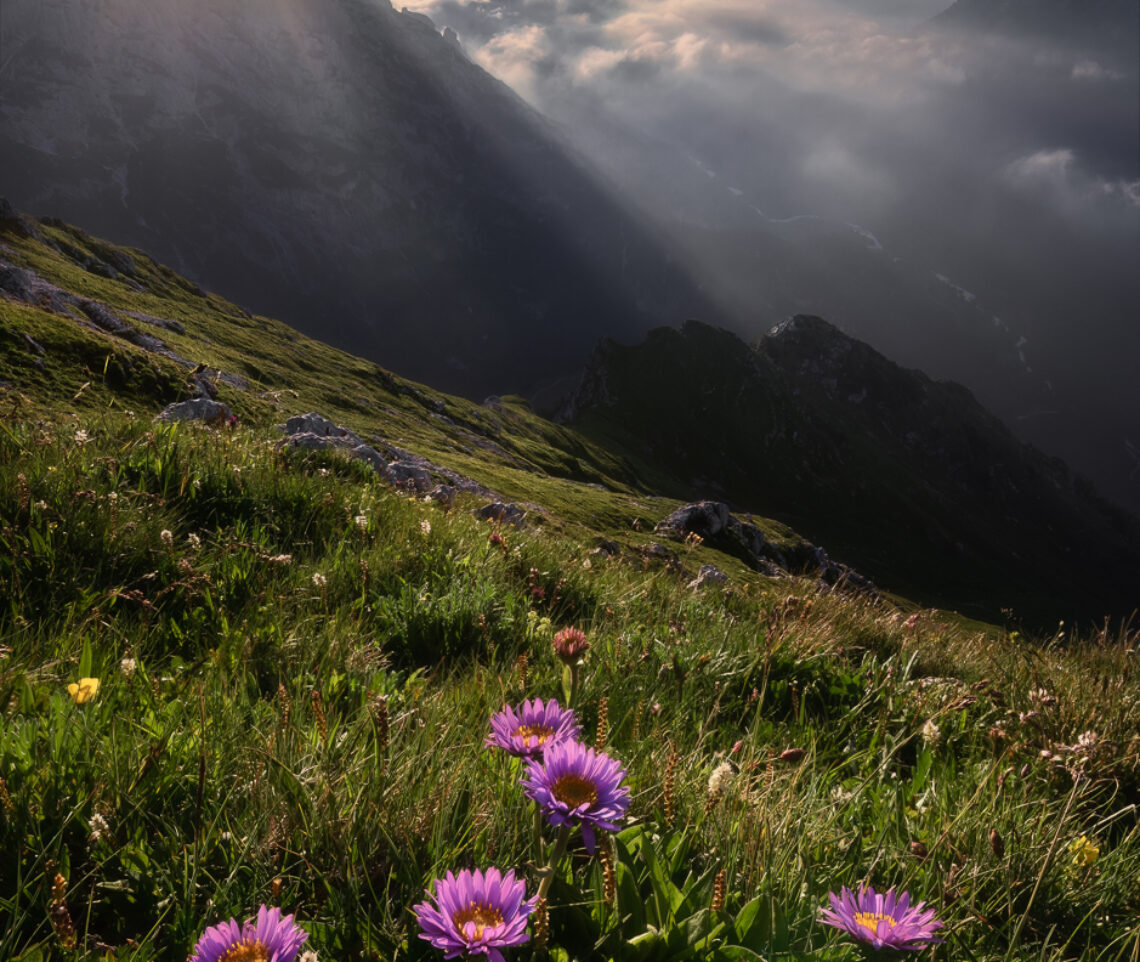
{"points": [[368, 453], [313, 423], [196, 409], [443, 495], [705, 518], [756, 543], [659, 552], [606, 549], [709, 574], [510, 514], [410, 476], [311, 442]]}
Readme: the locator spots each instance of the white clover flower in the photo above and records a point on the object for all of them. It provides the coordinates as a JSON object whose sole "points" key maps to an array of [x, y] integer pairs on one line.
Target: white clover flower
{"points": [[167, 537], [308, 956], [99, 829], [425, 527], [931, 733], [194, 540], [1087, 741], [319, 579], [719, 779], [82, 437], [361, 521], [128, 666]]}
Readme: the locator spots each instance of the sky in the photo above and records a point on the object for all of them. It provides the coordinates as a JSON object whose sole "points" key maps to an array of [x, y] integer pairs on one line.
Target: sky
{"points": [[1008, 162], [651, 62]]}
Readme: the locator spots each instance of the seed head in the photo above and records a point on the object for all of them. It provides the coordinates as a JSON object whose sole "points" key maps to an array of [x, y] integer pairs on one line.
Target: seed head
{"points": [[719, 886], [603, 724]]}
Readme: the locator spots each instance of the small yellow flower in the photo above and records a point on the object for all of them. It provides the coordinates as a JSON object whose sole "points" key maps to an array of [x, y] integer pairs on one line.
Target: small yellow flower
{"points": [[84, 690], [1084, 852]]}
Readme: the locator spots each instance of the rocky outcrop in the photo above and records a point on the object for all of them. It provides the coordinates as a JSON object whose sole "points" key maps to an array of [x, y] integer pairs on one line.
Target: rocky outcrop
{"points": [[397, 467], [713, 522], [27, 287]]}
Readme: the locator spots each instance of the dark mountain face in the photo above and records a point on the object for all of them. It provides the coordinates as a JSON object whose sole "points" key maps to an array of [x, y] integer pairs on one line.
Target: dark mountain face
{"points": [[337, 164], [908, 480]]}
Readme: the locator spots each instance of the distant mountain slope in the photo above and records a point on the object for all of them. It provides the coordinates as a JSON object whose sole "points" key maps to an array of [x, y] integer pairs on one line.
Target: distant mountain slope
{"points": [[909, 480], [337, 164]]}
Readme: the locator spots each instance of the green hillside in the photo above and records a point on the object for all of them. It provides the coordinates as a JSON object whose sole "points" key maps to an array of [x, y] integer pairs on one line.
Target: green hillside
{"points": [[236, 671]]}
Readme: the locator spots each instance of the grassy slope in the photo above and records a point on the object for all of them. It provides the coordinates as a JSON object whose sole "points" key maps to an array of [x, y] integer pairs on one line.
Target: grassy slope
{"points": [[307, 729]]}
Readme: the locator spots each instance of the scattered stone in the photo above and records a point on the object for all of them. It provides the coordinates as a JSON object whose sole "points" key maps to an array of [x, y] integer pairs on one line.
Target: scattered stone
{"points": [[396, 466], [197, 409], [659, 552], [709, 574], [713, 520], [502, 513], [410, 476], [313, 423], [705, 518], [443, 495], [606, 549], [365, 452], [756, 543]]}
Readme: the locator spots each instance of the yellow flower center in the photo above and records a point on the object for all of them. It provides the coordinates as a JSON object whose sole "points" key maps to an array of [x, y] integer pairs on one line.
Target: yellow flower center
{"points": [[538, 732], [572, 790], [246, 951], [471, 920], [871, 920]]}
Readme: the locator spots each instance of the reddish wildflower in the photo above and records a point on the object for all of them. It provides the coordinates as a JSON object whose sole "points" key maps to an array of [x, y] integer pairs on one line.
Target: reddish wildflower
{"points": [[570, 644]]}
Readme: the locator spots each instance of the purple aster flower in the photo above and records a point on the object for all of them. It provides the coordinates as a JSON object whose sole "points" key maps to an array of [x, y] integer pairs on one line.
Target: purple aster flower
{"points": [[882, 921], [476, 913], [274, 938], [574, 785], [527, 730]]}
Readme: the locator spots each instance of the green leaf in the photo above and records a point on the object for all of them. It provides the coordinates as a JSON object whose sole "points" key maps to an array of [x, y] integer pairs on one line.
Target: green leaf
{"points": [[753, 924], [629, 901], [736, 953], [85, 660]]}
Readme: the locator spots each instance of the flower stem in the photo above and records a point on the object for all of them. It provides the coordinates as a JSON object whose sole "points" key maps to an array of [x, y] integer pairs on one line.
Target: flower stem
{"points": [[537, 833], [555, 857]]}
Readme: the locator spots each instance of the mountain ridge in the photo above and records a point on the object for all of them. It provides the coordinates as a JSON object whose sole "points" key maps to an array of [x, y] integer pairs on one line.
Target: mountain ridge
{"points": [[829, 436]]}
